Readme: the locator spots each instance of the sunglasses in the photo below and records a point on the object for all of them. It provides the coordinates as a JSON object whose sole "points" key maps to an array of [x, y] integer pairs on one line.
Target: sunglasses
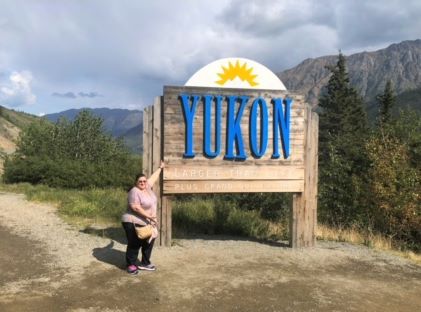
{"points": [[141, 181]]}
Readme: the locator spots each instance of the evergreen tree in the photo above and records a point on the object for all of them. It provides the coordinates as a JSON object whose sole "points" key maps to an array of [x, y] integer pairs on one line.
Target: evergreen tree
{"points": [[343, 129], [386, 102], [342, 109]]}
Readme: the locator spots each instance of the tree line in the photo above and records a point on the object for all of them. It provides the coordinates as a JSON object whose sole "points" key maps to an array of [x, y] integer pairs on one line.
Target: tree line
{"points": [[369, 174]]}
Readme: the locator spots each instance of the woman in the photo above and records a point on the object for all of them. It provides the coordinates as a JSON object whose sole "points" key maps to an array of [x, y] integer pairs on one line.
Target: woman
{"points": [[141, 210]]}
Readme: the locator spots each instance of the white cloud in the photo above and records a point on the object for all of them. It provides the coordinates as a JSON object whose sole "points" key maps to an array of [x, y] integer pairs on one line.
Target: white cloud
{"points": [[17, 92]]}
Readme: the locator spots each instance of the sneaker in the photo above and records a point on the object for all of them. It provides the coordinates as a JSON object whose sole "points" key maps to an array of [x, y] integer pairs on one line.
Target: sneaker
{"points": [[132, 269], [148, 267]]}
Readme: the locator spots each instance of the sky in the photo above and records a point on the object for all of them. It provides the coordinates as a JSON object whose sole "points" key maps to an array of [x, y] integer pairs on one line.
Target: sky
{"points": [[61, 54]]}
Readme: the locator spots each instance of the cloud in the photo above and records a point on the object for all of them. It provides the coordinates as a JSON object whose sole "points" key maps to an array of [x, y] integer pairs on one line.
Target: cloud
{"points": [[269, 19], [67, 95], [330, 25], [89, 94], [72, 95], [17, 91], [374, 23]]}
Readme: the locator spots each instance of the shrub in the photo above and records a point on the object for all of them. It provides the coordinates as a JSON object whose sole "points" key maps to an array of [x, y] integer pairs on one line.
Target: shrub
{"points": [[246, 223], [194, 216], [218, 216], [71, 155], [394, 188]]}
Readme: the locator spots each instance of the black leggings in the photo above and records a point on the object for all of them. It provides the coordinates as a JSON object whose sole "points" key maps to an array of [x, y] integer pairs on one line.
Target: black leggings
{"points": [[134, 243]]}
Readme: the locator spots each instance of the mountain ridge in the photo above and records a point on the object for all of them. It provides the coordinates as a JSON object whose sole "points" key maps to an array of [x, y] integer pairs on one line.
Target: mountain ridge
{"points": [[368, 71]]}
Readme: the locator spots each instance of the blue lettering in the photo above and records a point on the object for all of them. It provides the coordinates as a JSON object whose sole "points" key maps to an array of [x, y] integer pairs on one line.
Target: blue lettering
{"points": [[207, 126], [259, 121], [188, 113], [281, 122], [234, 136], [255, 149]]}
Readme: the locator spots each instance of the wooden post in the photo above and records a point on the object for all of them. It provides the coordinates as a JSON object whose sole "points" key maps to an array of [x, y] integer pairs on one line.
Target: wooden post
{"points": [[146, 140], [157, 155], [166, 221], [304, 206], [166, 207]]}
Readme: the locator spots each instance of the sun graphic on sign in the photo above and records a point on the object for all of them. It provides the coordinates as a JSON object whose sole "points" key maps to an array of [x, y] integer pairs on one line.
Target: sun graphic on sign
{"points": [[233, 71]]}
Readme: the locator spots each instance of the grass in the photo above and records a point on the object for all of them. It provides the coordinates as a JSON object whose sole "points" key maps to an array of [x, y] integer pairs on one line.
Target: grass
{"points": [[354, 236], [77, 206], [206, 216], [358, 237]]}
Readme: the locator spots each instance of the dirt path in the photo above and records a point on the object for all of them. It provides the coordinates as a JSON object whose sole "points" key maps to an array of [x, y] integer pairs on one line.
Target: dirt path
{"points": [[47, 265]]}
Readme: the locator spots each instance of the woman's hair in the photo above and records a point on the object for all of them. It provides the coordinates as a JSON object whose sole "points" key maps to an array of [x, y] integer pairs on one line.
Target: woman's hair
{"points": [[139, 175]]}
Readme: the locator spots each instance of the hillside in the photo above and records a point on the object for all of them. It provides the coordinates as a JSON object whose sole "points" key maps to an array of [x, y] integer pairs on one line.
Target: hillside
{"points": [[11, 122], [124, 123], [368, 72]]}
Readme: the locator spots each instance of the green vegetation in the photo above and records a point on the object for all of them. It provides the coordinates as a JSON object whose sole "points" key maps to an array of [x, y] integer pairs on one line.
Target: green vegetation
{"points": [[342, 159], [96, 205], [70, 155], [394, 179], [370, 179], [19, 119], [409, 99], [191, 215], [262, 216], [387, 101]]}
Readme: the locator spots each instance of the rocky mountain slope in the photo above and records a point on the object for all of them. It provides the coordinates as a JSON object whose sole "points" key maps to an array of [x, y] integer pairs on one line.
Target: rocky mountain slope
{"points": [[11, 122], [368, 71]]}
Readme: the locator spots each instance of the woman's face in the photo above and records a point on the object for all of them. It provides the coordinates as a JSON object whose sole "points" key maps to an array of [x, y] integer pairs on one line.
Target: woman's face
{"points": [[141, 183]]}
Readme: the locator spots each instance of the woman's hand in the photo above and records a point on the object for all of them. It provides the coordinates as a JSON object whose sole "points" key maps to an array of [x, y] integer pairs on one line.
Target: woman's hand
{"points": [[162, 165]]}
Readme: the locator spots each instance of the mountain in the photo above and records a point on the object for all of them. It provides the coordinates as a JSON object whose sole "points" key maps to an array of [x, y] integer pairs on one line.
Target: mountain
{"points": [[368, 73], [124, 123]]}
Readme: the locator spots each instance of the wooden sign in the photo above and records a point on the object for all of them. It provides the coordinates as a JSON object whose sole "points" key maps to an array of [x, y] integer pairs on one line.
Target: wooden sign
{"points": [[215, 157], [226, 138]]}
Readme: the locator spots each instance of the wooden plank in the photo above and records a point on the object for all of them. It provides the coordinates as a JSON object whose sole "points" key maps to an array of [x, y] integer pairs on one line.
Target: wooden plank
{"points": [[166, 227], [182, 172], [146, 140], [314, 173], [174, 160], [156, 156], [226, 186], [176, 136], [307, 234], [150, 146], [304, 210]]}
